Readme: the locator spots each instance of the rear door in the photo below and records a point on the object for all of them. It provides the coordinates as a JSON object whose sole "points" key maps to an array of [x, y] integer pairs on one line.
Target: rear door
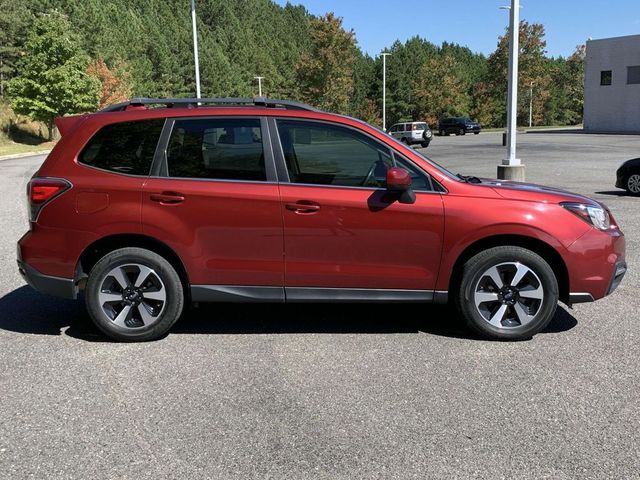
{"points": [[214, 199]]}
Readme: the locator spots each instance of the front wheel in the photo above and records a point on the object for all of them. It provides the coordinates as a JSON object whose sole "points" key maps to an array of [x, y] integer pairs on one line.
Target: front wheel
{"points": [[134, 294], [425, 144], [507, 293], [632, 184], [476, 133], [462, 131]]}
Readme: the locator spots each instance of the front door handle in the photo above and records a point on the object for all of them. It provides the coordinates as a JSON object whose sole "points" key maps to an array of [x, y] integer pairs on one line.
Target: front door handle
{"points": [[167, 198], [303, 207]]}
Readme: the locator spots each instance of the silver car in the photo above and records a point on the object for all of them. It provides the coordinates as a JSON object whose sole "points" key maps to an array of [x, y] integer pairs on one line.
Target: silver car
{"points": [[412, 133]]}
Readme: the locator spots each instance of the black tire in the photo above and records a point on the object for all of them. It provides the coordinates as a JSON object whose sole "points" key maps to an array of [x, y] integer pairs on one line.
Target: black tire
{"points": [[162, 280], [443, 132], [405, 141], [462, 131], [425, 144], [476, 133], [540, 311], [631, 184]]}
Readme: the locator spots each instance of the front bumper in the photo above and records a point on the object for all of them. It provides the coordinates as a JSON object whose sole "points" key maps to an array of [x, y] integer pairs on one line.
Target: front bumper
{"points": [[596, 265], [616, 278]]}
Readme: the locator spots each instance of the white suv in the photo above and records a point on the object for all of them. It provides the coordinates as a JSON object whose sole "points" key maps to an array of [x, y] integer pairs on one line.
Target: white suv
{"points": [[412, 132]]}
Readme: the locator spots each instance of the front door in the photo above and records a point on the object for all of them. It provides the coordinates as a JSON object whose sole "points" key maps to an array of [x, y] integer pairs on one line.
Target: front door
{"points": [[342, 228], [216, 204]]}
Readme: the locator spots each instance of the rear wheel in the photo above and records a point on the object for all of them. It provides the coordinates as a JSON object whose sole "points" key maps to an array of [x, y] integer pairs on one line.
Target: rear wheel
{"points": [[507, 293], [632, 184], [134, 294], [461, 131], [476, 133]]}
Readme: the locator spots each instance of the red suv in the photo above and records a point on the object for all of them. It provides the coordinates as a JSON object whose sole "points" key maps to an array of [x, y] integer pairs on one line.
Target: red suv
{"points": [[150, 204]]}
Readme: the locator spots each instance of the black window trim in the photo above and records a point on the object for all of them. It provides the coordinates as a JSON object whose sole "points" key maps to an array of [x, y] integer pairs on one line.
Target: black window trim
{"points": [[114, 172], [160, 167], [283, 173]]}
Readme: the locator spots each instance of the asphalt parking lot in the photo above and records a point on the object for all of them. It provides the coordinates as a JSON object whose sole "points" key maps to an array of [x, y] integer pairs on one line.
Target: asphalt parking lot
{"points": [[331, 392]]}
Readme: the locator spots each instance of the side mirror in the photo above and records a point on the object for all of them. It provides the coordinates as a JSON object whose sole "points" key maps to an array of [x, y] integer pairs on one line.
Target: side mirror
{"points": [[399, 181]]}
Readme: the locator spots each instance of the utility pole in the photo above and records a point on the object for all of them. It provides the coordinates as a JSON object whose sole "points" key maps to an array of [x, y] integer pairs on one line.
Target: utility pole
{"points": [[384, 90], [259, 85], [195, 47], [531, 105], [511, 168]]}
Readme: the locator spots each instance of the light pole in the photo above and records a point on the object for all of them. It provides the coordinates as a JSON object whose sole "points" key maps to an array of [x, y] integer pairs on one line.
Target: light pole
{"points": [[511, 168], [195, 47], [384, 90], [259, 85], [530, 104]]}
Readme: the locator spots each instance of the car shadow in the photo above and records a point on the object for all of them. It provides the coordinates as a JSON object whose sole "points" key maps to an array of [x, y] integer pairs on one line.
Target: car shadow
{"points": [[614, 193], [29, 312]]}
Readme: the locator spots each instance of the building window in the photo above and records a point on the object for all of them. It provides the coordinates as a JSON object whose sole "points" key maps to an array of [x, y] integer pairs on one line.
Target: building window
{"points": [[633, 75], [605, 77]]}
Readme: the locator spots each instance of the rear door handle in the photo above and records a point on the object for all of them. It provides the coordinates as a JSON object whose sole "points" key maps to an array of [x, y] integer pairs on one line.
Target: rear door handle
{"points": [[167, 198], [303, 207]]}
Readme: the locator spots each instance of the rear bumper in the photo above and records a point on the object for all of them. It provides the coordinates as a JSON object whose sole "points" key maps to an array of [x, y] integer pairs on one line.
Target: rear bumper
{"points": [[620, 179], [59, 287]]}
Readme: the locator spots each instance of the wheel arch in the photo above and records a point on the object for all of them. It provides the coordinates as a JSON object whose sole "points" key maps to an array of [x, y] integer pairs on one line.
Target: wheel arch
{"points": [[546, 251], [98, 249]]}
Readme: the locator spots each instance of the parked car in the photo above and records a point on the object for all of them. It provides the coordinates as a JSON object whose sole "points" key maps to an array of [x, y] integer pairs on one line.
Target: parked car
{"points": [[147, 209], [412, 133], [458, 125], [628, 176]]}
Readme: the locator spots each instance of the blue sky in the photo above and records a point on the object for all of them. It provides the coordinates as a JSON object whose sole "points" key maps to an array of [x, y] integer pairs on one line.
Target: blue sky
{"points": [[478, 23]]}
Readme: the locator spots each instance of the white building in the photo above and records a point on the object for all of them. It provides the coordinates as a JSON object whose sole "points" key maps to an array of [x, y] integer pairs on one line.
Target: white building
{"points": [[612, 85]]}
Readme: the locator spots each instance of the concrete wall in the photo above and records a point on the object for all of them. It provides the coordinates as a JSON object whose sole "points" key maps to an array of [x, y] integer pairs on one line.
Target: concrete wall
{"points": [[616, 107]]}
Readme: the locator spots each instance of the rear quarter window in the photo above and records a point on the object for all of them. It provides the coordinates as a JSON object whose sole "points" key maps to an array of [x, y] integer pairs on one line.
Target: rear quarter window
{"points": [[126, 147]]}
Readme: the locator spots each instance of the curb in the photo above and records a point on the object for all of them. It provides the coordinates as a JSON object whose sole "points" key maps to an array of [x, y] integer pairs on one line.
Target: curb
{"points": [[25, 154]]}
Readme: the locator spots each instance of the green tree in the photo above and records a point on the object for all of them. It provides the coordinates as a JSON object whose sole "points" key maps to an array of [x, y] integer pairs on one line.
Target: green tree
{"points": [[440, 90], [533, 67], [14, 23], [53, 80], [325, 73]]}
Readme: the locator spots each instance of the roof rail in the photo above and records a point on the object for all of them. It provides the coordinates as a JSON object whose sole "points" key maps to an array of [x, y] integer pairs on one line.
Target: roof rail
{"points": [[202, 102]]}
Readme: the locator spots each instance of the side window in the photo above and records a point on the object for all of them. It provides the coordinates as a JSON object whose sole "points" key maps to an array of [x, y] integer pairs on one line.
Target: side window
{"points": [[323, 154], [216, 148], [126, 147]]}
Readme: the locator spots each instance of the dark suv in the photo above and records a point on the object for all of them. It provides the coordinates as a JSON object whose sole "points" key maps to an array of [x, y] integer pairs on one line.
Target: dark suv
{"points": [[144, 210], [458, 125]]}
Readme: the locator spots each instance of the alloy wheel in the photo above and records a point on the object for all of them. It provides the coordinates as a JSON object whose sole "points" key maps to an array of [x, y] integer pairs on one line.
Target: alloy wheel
{"points": [[508, 295], [633, 183], [132, 296]]}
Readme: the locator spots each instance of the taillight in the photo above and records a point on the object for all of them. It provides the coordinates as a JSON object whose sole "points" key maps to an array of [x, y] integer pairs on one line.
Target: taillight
{"points": [[41, 191]]}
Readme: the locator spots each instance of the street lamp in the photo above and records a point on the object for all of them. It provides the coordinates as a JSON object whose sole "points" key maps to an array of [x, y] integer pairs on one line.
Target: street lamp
{"points": [[259, 85], [511, 168], [195, 46], [530, 104], [384, 90]]}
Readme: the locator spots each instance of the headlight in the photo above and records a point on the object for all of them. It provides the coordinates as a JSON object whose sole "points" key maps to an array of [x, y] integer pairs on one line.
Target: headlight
{"points": [[593, 215]]}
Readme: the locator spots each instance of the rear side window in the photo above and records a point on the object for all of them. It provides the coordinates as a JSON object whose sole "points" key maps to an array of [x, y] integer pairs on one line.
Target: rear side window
{"points": [[126, 147], [217, 148]]}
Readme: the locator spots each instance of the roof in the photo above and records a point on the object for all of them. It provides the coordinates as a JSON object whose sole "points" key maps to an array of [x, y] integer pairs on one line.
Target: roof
{"points": [[137, 103]]}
